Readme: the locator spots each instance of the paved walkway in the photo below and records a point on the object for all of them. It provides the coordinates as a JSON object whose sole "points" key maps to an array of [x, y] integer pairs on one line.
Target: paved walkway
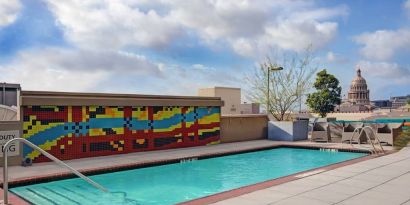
{"points": [[383, 180]]}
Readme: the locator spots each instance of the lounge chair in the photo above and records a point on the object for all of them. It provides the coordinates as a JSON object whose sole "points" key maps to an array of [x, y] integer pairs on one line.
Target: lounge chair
{"points": [[321, 132], [348, 130], [387, 133]]}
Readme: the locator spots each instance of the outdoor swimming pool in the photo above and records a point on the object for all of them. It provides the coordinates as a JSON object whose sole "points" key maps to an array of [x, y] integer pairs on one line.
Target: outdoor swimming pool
{"points": [[175, 183]]}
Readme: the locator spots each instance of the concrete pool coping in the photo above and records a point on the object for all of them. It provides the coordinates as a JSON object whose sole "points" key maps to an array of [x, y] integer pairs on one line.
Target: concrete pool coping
{"points": [[49, 171]]}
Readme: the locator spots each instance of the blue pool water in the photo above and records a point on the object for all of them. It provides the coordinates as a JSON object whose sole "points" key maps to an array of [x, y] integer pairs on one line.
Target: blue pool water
{"points": [[174, 183]]}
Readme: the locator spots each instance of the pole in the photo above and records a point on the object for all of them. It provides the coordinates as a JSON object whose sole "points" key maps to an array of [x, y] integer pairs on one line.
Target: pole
{"points": [[267, 99], [5, 178], [3, 101]]}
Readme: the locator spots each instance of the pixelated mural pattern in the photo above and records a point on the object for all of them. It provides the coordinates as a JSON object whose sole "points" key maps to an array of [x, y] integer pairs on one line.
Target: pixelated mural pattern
{"points": [[71, 132]]}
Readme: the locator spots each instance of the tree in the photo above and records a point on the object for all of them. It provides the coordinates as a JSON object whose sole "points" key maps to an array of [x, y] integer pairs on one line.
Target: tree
{"points": [[327, 95], [286, 87]]}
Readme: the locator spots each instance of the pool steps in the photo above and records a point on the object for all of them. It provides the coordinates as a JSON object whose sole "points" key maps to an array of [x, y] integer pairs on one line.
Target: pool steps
{"points": [[59, 162], [76, 195]]}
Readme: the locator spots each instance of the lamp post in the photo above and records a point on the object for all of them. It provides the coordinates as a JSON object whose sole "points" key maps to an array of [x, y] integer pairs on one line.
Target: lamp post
{"points": [[270, 68]]}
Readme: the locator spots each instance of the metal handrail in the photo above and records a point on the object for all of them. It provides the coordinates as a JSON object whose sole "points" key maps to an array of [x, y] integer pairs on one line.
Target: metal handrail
{"points": [[375, 137], [356, 130], [59, 162], [368, 138]]}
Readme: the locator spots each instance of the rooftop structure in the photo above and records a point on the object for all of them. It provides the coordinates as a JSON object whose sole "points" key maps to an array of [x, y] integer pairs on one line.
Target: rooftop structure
{"points": [[230, 96], [9, 93]]}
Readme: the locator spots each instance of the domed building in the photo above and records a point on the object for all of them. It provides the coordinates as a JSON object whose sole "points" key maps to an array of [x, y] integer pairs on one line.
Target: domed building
{"points": [[358, 98], [358, 93]]}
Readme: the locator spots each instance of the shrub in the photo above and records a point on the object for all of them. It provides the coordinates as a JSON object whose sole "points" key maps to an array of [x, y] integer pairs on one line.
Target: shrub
{"points": [[403, 139]]}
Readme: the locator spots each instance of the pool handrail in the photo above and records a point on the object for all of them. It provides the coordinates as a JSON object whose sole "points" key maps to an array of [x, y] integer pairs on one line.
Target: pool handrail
{"points": [[360, 131], [59, 162]]}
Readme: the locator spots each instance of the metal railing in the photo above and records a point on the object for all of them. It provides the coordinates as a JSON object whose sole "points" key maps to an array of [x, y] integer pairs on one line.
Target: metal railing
{"points": [[360, 130], [59, 162]]}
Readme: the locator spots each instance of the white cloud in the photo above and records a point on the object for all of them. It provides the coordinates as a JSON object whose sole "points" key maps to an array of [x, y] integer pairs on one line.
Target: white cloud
{"points": [[9, 10], [106, 24], [389, 72], [187, 80], [383, 44], [62, 69], [253, 28], [298, 35], [249, 27], [332, 57], [73, 70], [407, 6]]}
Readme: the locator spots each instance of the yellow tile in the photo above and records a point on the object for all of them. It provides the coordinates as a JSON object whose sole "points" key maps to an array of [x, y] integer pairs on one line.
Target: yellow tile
{"points": [[70, 142], [62, 146]]}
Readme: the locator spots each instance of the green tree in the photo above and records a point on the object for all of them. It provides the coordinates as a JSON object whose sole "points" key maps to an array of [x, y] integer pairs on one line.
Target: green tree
{"points": [[327, 94]]}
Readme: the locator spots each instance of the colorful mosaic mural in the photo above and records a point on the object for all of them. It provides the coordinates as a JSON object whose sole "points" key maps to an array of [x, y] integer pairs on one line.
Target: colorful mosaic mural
{"points": [[71, 132]]}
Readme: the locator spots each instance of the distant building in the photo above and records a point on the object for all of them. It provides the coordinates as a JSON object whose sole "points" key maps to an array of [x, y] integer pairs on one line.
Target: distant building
{"points": [[230, 96], [399, 101], [382, 103], [358, 96], [9, 94], [250, 108]]}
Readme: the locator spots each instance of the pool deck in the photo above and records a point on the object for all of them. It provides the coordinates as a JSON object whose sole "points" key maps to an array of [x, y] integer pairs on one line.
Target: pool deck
{"points": [[41, 171], [382, 180]]}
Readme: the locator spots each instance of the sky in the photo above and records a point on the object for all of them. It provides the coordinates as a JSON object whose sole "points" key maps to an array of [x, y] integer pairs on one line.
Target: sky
{"points": [[174, 47]]}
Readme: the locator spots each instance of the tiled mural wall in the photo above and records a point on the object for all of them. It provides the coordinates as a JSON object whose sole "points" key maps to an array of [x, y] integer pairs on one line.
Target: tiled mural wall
{"points": [[71, 132]]}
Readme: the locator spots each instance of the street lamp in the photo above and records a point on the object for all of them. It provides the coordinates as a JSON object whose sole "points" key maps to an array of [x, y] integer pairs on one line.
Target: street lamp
{"points": [[271, 68]]}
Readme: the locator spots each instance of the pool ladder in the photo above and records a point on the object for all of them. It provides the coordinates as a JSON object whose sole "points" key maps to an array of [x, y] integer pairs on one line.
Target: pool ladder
{"points": [[59, 162], [360, 130]]}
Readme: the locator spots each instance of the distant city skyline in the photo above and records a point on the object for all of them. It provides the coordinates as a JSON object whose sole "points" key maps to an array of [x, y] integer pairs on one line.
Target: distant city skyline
{"points": [[176, 47]]}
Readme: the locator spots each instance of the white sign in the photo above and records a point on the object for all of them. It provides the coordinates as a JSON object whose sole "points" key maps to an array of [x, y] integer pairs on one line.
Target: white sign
{"points": [[14, 148]]}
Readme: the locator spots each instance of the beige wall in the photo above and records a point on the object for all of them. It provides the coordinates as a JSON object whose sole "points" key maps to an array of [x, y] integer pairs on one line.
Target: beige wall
{"points": [[230, 96], [238, 128]]}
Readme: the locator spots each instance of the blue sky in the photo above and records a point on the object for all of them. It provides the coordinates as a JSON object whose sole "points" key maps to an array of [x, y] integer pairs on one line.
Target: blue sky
{"points": [[176, 47]]}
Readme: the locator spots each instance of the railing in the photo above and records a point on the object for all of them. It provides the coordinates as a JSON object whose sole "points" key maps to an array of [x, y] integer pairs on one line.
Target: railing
{"points": [[59, 162], [360, 130]]}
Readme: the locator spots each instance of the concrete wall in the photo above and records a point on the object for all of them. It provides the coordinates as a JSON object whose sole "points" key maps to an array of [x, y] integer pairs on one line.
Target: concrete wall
{"points": [[230, 96], [250, 108], [237, 128]]}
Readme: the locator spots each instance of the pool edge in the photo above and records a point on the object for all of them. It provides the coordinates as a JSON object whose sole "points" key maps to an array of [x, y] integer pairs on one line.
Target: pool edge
{"points": [[273, 182], [225, 195]]}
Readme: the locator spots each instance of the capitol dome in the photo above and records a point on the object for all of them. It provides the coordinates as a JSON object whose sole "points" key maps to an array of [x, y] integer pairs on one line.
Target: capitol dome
{"points": [[358, 93]]}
